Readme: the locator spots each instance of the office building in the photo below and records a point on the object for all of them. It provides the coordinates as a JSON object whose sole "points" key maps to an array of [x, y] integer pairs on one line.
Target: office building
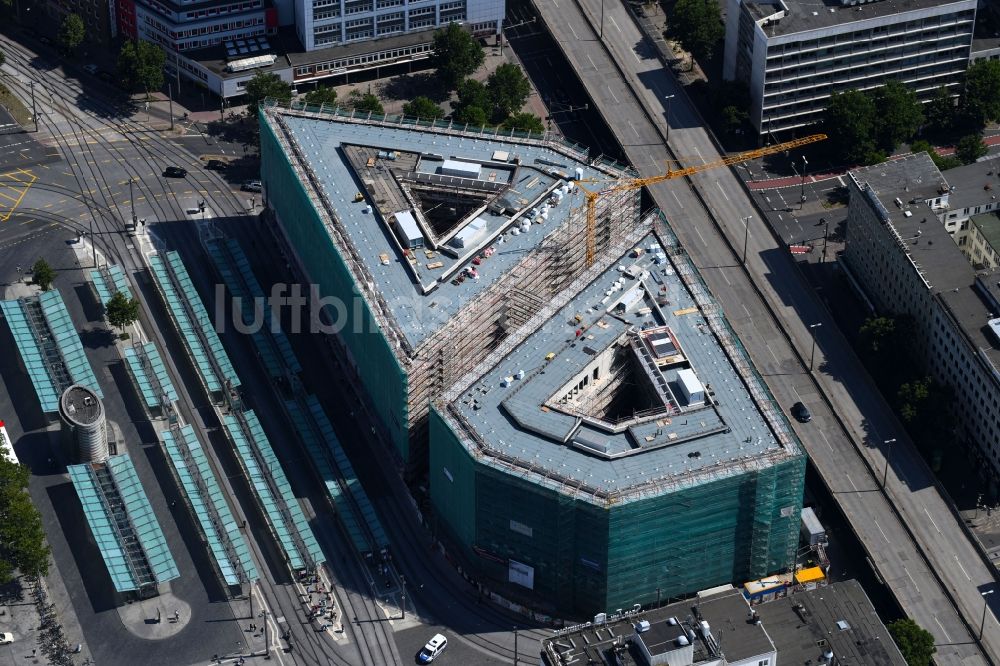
{"points": [[792, 54]]}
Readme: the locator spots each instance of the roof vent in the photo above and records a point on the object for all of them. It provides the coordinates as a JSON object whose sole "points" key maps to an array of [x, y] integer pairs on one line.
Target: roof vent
{"points": [[642, 626], [843, 625]]}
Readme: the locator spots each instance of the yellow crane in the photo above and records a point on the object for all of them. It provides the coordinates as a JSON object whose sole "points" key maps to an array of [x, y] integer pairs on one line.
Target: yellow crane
{"points": [[636, 183]]}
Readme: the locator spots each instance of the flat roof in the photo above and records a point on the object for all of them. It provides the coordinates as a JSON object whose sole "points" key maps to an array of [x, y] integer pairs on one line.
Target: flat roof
{"points": [[973, 184], [531, 423], [989, 227], [419, 288], [726, 613], [80, 405], [808, 15], [804, 624]]}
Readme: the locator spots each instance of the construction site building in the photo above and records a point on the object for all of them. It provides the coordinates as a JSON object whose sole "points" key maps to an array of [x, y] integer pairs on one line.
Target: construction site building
{"points": [[429, 243], [619, 448]]}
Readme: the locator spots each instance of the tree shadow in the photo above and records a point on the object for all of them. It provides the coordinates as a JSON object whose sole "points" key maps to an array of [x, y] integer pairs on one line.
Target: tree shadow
{"points": [[408, 86], [95, 338]]}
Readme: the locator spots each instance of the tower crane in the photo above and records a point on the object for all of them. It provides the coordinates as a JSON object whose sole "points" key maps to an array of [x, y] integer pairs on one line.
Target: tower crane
{"points": [[635, 183]]}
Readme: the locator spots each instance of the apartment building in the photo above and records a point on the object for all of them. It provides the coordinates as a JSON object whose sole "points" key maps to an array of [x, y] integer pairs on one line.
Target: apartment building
{"points": [[793, 54], [188, 25], [906, 262], [98, 16]]}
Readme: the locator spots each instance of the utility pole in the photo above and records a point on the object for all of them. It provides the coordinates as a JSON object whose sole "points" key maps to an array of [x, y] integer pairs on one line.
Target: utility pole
{"points": [[131, 199], [267, 648], [982, 625], [802, 188], [402, 596], [667, 98], [34, 111], [746, 236], [602, 19], [515, 646], [170, 98], [826, 233], [812, 354], [888, 450]]}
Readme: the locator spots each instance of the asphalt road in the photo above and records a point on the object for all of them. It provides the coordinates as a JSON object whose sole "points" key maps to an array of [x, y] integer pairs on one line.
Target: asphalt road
{"points": [[636, 109]]}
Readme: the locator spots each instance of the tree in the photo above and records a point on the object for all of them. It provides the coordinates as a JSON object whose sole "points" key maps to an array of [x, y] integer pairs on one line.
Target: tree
{"points": [[942, 162], [42, 274], [471, 115], [456, 54], [473, 93], [876, 331], [423, 107], [899, 115], [366, 102], [266, 85], [911, 397], [980, 101], [851, 118], [970, 148], [71, 32], [321, 96], [121, 310], [524, 122], [939, 112], [915, 642], [140, 66], [697, 25], [733, 118], [22, 537], [508, 88]]}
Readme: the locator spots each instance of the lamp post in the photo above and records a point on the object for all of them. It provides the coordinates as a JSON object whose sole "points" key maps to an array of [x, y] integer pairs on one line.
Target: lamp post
{"points": [[826, 234], [402, 596], [34, 110], [888, 450], [802, 187], [515, 646], [746, 236], [982, 624], [131, 198], [602, 37], [812, 354], [667, 98]]}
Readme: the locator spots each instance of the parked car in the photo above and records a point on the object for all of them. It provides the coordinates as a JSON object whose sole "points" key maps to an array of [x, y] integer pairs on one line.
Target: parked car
{"points": [[801, 413], [216, 165], [174, 172], [6, 638], [252, 186], [434, 647], [90, 69]]}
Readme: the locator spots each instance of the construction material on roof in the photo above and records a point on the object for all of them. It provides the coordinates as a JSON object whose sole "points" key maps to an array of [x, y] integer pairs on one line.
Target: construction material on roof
{"points": [[461, 169]]}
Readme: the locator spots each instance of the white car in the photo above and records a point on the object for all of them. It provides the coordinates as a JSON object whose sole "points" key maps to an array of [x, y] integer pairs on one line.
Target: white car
{"points": [[6, 638], [434, 647]]}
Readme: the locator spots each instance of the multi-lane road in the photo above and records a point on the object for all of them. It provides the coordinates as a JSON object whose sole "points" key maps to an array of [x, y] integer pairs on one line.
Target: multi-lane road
{"points": [[910, 533]]}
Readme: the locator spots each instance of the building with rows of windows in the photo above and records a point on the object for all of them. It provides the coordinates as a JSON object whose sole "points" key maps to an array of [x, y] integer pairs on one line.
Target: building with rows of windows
{"points": [[905, 262], [793, 54]]}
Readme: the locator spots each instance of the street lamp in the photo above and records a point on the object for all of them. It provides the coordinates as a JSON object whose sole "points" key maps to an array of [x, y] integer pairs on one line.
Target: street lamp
{"points": [[667, 99], [982, 624], [34, 110], [746, 236], [826, 234], [802, 188], [131, 198], [515, 646], [888, 450], [812, 354]]}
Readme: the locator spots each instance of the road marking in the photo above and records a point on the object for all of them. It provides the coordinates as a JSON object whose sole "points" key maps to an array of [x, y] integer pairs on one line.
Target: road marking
{"points": [[915, 586], [719, 185], [18, 187], [726, 278], [575, 36], [932, 520], [946, 636], [880, 530], [677, 200], [615, 97], [961, 567], [612, 19], [749, 316], [634, 129], [592, 62], [853, 485], [698, 231], [636, 56], [827, 442]]}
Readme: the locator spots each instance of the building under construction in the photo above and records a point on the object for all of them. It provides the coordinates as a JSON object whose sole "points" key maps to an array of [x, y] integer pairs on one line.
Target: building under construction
{"points": [[430, 244], [619, 448]]}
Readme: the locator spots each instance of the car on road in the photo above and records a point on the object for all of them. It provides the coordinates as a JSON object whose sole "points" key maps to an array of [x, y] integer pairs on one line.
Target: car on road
{"points": [[216, 165], [801, 413], [434, 647], [252, 186], [174, 172], [6, 638], [90, 69]]}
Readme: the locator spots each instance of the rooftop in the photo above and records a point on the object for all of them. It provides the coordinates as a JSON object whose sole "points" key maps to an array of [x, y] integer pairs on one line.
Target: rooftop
{"points": [[81, 405], [725, 612], [433, 203], [837, 617], [989, 228], [973, 184], [807, 15], [623, 386]]}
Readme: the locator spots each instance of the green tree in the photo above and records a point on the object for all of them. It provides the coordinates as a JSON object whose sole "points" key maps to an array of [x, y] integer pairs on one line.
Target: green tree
{"points": [[939, 112], [697, 25], [524, 122], [22, 537], [71, 33], [911, 397], [980, 101], [851, 119], [423, 107], [942, 162], [508, 88], [121, 310], [456, 54], [876, 332], [473, 93], [899, 115], [42, 274], [970, 148], [366, 102], [733, 118], [915, 642], [266, 85], [321, 96], [140, 66], [471, 115]]}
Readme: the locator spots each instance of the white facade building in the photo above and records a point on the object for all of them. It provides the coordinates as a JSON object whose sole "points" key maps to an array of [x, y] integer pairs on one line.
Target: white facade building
{"points": [[793, 54], [905, 262]]}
